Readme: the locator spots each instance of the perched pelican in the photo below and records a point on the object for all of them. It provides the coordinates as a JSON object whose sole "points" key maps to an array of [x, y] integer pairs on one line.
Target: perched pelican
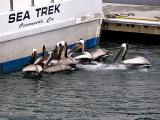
{"points": [[33, 68], [137, 61]]}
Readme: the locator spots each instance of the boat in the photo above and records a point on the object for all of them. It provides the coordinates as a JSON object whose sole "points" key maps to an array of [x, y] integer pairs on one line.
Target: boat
{"points": [[29, 24]]}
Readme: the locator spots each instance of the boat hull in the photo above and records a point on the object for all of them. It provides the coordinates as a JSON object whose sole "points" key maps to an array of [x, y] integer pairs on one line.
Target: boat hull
{"points": [[15, 53]]}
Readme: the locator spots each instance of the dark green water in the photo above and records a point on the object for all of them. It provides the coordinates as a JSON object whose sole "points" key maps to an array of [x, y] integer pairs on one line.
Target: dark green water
{"points": [[101, 92]]}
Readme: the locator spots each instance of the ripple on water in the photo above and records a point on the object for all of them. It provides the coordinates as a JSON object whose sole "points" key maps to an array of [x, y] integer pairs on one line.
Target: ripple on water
{"points": [[92, 92], [102, 66]]}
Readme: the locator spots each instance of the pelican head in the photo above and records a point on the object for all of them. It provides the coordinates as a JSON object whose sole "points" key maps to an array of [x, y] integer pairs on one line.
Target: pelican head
{"points": [[79, 46], [34, 51], [122, 52], [62, 45], [33, 57]]}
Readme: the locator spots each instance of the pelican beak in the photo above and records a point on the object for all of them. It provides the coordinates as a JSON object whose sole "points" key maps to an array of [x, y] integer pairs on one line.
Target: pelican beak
{"points": [[80, 46], [73, 48]]}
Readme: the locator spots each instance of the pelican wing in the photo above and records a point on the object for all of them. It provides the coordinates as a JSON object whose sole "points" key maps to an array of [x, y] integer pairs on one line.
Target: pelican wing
{"points": [[67, 61], [99, 53], [38, 60], [137, 61], [42, 59], [85, 55], [32, 68], [56, 68]]}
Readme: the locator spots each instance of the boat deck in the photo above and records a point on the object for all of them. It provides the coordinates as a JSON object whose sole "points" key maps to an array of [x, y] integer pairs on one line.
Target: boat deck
{"points": [[132, 18]]}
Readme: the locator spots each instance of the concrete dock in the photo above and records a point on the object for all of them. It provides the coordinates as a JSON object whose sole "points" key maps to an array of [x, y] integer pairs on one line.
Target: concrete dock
{"points": [[131, 18]]}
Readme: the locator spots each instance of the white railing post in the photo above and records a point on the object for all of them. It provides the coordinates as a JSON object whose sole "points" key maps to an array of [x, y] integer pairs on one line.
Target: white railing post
{"points": [[11, 5], [32, 2]]}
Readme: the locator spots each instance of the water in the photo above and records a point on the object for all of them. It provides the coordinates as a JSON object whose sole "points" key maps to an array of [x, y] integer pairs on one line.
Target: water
{"points": [[101, 92]]}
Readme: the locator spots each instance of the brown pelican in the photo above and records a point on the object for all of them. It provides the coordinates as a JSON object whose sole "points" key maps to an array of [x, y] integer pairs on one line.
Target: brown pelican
{"points": [[61, 61], [56, 68], [99, 54], [36, 65], [79, 46], [94, 56], [137, 61], [42, 59], [33, 68], [60, 55], [66, 60]]}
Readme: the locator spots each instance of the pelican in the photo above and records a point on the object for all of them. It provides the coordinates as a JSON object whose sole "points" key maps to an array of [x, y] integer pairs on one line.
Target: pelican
{"points": [[60, 55], [60, 60], [66, 60], [36, 65], [80, 55], [94, 56], [136, 61], [42, 59], [62, 45], [33, 68], [99, 54], [56, 68], [79, 46]]}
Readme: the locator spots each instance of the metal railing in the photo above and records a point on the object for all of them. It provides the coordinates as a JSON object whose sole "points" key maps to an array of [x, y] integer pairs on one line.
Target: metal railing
{"points": [[11, 5], [32, 4]]}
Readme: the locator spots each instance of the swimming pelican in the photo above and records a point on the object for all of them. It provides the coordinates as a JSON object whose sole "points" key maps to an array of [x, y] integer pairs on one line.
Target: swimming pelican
{"points": [[58, 53], [33, 68], [79, 47], [37, 65], [137, 61], [99, 54], [42, 59], [56, 68], [94, 56], [63, 57], [61, 61], [66, 60]]}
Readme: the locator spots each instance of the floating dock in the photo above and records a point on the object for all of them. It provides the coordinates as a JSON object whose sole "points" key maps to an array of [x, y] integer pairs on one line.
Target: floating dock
{"points": [[131, 18]]}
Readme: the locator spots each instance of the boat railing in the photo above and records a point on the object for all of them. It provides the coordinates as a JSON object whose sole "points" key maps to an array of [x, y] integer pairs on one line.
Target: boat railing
{"points": [[32, 3], [11, 5], [14, 5]]}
